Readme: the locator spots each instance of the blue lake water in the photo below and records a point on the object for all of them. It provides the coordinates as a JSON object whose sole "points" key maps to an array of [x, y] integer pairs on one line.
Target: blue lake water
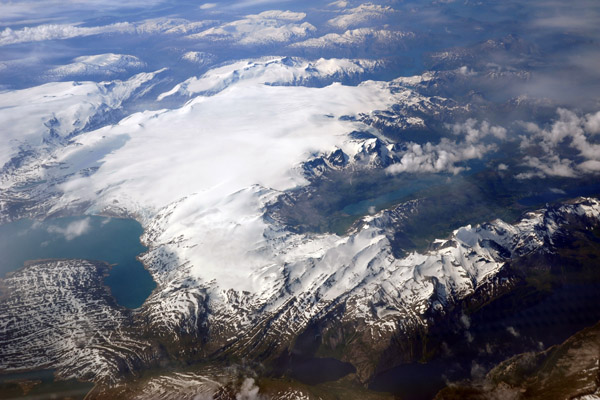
{"points": [[384, 200], [113, 240], [314, 371]]}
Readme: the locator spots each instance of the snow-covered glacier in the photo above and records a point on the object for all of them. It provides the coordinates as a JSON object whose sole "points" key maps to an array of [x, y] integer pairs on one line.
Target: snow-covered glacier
{"points": [[200, 176]]}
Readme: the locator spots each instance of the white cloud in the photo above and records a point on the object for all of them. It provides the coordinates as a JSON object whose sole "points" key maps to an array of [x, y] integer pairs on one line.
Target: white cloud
{"points": [[466, 71], [52, 31], [73, 230], [592, 123], [339, 4], [478, 371], [569, 132], [512, 331], [272, 26], [447, 155], [469, 336], [590, 166], [441, 157], [248, 391], [551, 165], [474, 133], [361, 15], [465, 320], [207, 6]]}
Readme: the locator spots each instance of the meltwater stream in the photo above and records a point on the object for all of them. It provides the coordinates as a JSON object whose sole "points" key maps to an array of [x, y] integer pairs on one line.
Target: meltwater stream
{"points": [[113, 240]]}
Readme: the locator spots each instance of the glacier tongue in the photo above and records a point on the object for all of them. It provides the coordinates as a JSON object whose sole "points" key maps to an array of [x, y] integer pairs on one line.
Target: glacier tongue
{"points": [[59, 109]]}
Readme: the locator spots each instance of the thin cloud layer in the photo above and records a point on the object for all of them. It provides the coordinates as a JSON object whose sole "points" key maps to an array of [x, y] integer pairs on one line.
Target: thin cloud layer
{"points": [[25, 11], [574, 16], [73, 230], [67, 31], [207, 6], [54, 31]]}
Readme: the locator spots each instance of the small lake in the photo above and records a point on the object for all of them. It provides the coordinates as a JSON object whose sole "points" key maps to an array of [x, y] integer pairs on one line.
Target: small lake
{"points": [[314, 371], [113, 240], [387, 199]]}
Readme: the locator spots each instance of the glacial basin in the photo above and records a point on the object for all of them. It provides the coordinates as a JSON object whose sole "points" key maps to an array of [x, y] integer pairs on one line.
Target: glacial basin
{"points": [[112, 240]]}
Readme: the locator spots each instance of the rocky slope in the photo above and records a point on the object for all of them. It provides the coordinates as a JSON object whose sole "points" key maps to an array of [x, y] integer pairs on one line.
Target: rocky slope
{"points": [[355, 295], [565, 371], [57, 315], [353, 300]]}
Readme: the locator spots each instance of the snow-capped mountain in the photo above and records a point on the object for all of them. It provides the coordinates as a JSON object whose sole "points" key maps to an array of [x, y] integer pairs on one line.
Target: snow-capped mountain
{"points": [[57, 314], [323, 280], [99, 64], [274, 71], [352, 38], [201, 174], [316, 200], [229, 277], [60, 110]]}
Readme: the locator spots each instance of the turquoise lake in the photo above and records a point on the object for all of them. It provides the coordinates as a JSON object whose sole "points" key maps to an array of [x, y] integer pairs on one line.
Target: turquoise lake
{"points": [[113, 240]]}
